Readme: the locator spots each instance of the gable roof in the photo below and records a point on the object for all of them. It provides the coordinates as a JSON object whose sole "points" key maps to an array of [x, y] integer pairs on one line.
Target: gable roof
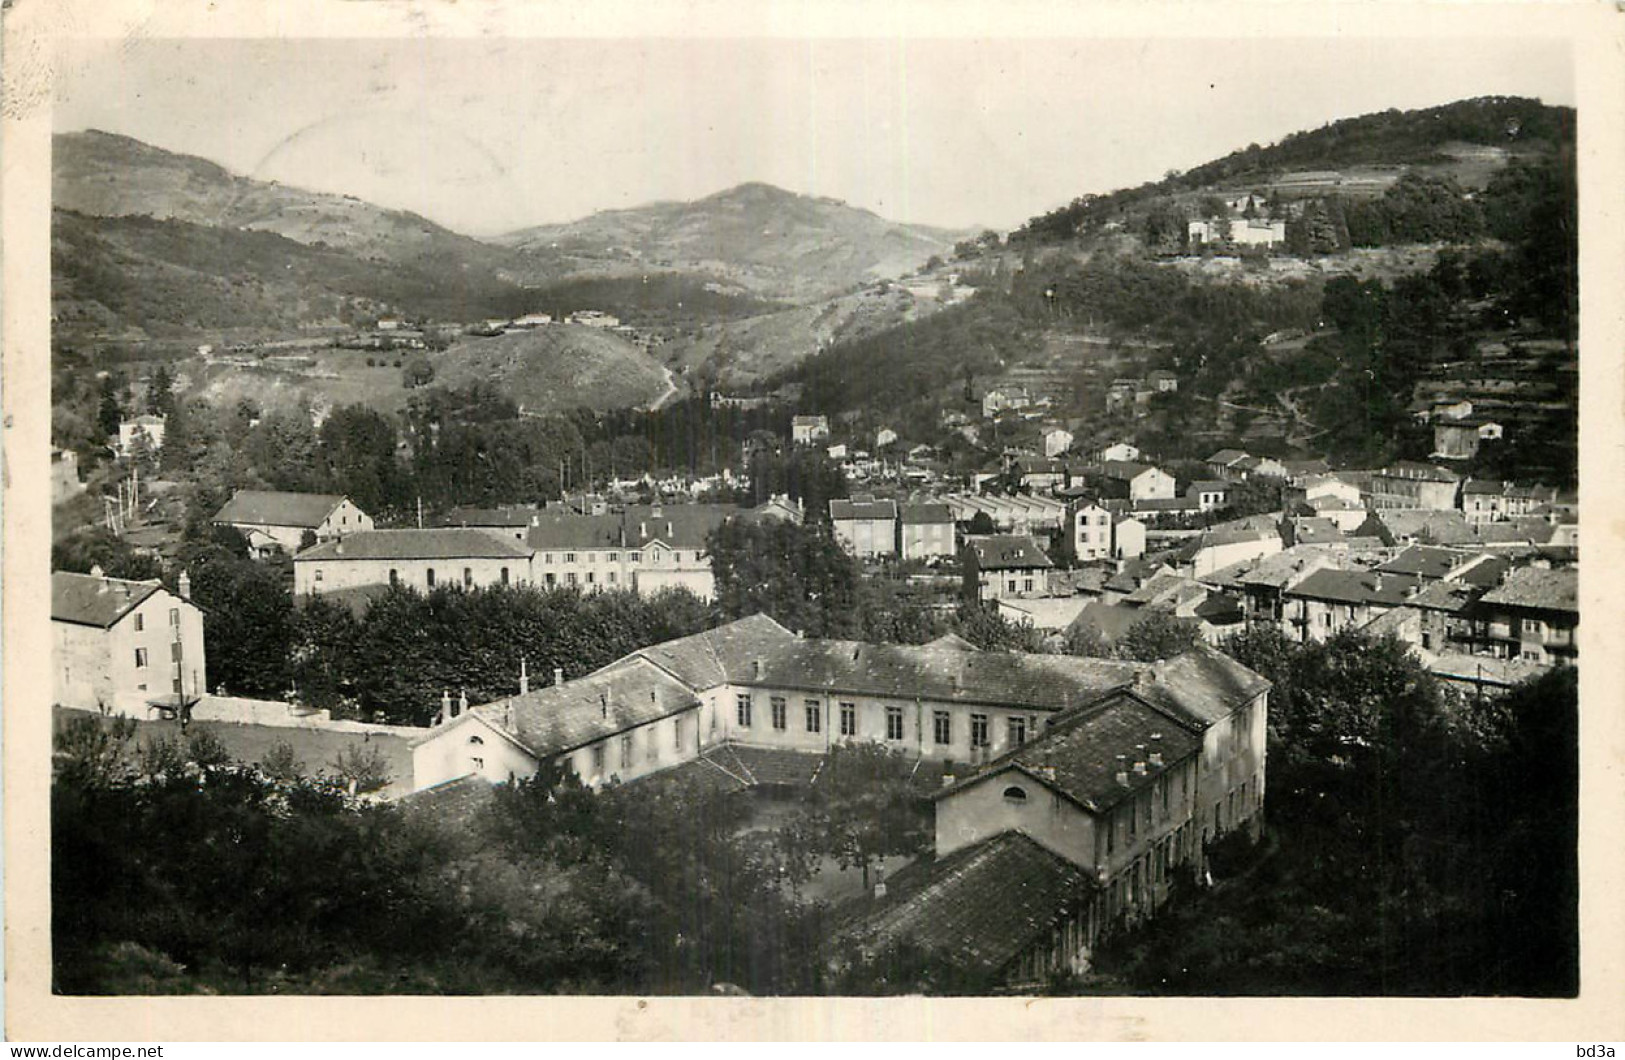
{"points": [[561, 718], [980, 907], [1451, 597], [86, 600], [917, 514], [706, 660], [862, 508], [443, 543], [1124, 470], [274, 508], [1226, 457], [504, 517], [1203, 685], [635, 526], [1357, 587], [1538, 588], [1428, 561]]}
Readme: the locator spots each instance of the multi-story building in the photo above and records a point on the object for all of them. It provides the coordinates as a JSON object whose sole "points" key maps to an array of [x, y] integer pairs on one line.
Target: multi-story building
{"points": [[1091, 533], [1534, 616], [644, 548], [125, 646], [273, 521], [1408, 485], [1136, 482], [150, 428], [926, 531], [805, 430], [864, 526], [418, 559], [1329, 601], [1006, 565]]}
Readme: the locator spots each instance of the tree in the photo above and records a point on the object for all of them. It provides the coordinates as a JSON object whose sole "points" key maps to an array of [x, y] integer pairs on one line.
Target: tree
{"points": [[160, 391], [798, 575], [868, 808], [417, 373], [109, 413], [1159, 635]]}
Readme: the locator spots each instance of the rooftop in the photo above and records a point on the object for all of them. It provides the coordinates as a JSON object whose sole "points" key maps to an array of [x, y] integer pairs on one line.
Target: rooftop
{"points": [[916, 514], [560, 718], [444, 543], [1539, 588], [88, 600], [862, 508], [1008, 552], [273, 508], [1357, 587]]}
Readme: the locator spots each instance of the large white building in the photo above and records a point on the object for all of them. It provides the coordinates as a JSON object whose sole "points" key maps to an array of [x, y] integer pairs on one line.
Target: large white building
{"points": [[129, 647], [417, 559]]}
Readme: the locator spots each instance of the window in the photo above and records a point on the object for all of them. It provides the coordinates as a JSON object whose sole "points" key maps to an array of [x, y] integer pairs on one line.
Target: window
{"points": [[569, 557], [744, 712], [1012, 585], [141, 658], [394, 576], [1015, 794], [777, 706], [476, 741], [550, 579], [175, 651], [504, 575], [597, 758], [547, 557], [633, 557], [1133, 821], [468, 576], [677, 733], [431, 577], [614, 557], [1018, 731], [1164, 785], [815, 716], [1027, 585], [140, 622], [318, 576], [626, 750], [590, 577], [894, 723], [174, 616], [849, 719], [479, 764], [570, 578], [592, 557], [612, 578], [978, 730], [175, 686], [942, 726], [1111, 835]]}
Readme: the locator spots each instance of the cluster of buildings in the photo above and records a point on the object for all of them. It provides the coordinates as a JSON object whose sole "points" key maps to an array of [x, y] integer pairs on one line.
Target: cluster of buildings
{"points": [[1082, 788]]}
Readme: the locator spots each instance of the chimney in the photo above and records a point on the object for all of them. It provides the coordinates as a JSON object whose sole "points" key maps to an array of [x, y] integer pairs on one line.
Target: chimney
{"points": [[880, 883], [669, 533], [947, 780], [1049, 773], [643, 530], [445, 706], [462, 700], [524, 677], [1122, 778], [338, 547], [96, 571], [558, 675], [185, 586], [1156, 758]]}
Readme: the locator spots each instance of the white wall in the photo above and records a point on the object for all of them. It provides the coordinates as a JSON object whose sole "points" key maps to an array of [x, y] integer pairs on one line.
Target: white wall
{"points": [[981, 810], [468, 745], [348, 572]]}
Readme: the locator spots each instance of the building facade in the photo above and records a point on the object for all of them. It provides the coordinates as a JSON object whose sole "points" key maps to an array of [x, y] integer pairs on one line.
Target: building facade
{"points": [[128, 647], [274, 521], [417, 559]]}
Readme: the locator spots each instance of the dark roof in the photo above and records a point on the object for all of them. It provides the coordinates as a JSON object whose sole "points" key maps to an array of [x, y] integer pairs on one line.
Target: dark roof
{"points": [[1124, 470], [1413, 470], [776, 766], [563, 529], [1538, 588], [1008, 552], [1081, 756], [1440, 527], [508, 517], [454, 805], [87, 600], [1203, 685], [1357, 587], [1448, 596], [705, 660], [1226, 457], [443, 543], [271, 508], [863, 508], [560, 718], [914, 514], [1486, 573], [1111, 621], [980, 907], [1315, 531], [1208, 486], [635, 526], [1427, 561]]}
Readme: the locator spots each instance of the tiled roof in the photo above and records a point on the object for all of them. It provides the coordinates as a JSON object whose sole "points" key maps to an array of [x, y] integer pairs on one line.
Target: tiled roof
{"points": [[1413, 470], [560, 718], [509, 517], [980, 907], [1427, 561], [1439, 527], [917, 514], [776, 766], [862, 509], [1208, 486], [1316, 530], [636, 526], [270, 508], [1203, 685], [86, 600], [1123, 470], [1008, 552], [1486, 573], [443, 543], [558, 528], [1535, 587], [454, 805], [706, 660], [1449, 596], [1226, 457], [1357, 587], [1081, 756], [1111, 621]]}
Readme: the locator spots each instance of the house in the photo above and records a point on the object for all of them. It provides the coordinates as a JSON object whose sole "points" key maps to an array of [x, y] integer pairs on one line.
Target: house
{"points": [[1299, 471], [1227, 543], [1412, 527], [1432, 563], [837, 451], [1259, 584], [1484, 501], [1122, 452], [805, 430], [1091, 533], [1222, 464], [641, 547], [1045, 850], [1057, 440], [594, 318], [1005, 565], [1411, 486], [926, 531], [126, 647], [534, 320], [884, 437], [1209, 494], [273, 521], [864, 526], [64, 475], [1163, 381], [149, 428], [999, 399], [1128, 539], [1019, 514], [779, 506], [1305, 489], [1137, 481], [1534, 616], [1329, 601], [1459, 439], [417, 559]]}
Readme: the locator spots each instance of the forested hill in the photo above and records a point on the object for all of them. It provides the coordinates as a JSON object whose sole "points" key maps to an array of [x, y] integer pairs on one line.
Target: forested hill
{"points": [[1443, 138]]}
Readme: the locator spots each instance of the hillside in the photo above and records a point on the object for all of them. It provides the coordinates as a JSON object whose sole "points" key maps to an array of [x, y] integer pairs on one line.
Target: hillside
{"points": [[101, 174], [554, 368], [773, 242]]}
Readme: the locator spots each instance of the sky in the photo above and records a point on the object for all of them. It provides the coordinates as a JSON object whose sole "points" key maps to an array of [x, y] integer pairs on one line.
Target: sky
{"points": [[490, 136]]}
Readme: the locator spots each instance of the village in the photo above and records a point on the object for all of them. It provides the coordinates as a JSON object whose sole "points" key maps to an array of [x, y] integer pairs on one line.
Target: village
{"points": [[1095, 782]]}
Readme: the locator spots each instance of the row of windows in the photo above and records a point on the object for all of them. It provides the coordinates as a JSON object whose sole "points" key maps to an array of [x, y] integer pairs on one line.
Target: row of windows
{"points": [[174, 619], [615, 557], [430, 577]]}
